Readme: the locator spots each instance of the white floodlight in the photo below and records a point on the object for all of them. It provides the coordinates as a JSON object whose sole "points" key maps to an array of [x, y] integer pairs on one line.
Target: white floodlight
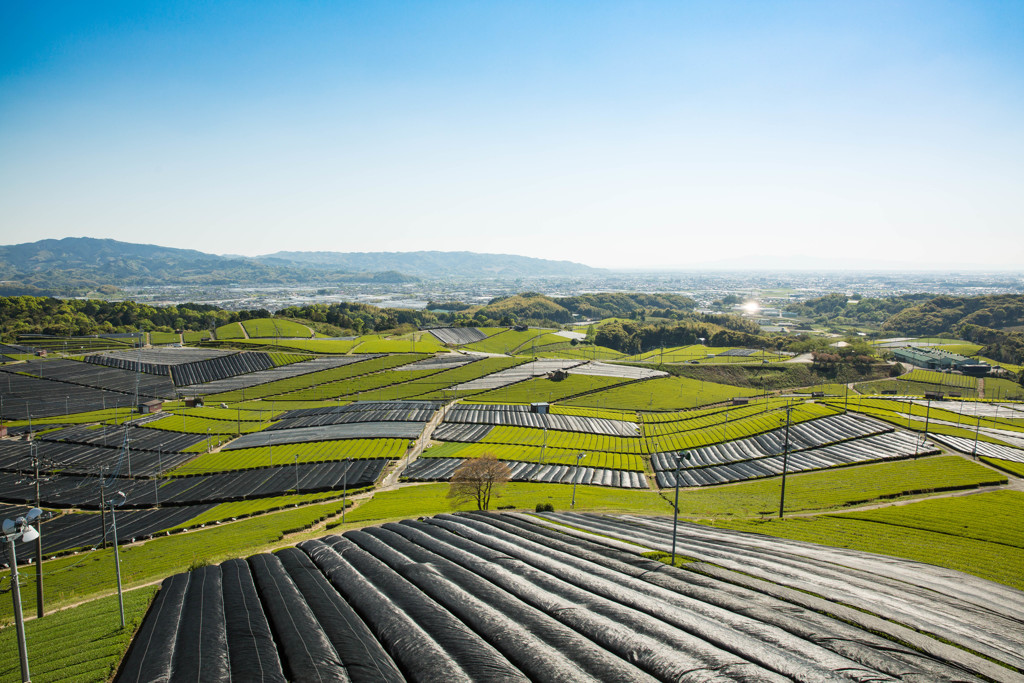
{"points": [[29, 534], [13, 530]]}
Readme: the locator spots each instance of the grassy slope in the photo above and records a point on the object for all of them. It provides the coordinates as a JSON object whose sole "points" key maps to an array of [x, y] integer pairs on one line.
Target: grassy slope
{"points": [[430, 499], [835, 488], [929, 531], [78, 577], [663, 393], [84, 644]]}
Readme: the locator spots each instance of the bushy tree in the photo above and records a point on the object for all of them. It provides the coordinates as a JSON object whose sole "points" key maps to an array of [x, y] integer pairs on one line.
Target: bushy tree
{"points": [[478, 479]]}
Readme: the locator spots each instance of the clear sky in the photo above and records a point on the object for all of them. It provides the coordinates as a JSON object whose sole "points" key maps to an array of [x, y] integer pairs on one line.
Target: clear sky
{"points": [[617, 134]]}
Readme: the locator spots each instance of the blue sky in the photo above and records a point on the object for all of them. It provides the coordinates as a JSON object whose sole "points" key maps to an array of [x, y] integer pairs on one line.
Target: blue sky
{"points": [[618, 134]]}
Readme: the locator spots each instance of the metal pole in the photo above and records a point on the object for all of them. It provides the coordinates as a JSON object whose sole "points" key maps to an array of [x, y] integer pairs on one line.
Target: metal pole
{"points": [[675, 512], [39, 542], [296, 473], [19, 619], [575, 479], [103, 509], [785, 463], [977, 428], [927, 417], [344, 491], [117, 565], [156, 479]]}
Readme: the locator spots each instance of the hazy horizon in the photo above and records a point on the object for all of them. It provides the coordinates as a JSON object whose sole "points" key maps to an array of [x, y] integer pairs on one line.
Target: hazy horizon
{"points": [[648, 135]]}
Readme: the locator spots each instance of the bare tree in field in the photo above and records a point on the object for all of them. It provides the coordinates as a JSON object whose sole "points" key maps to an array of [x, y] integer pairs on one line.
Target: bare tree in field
{"points": [[477, 479]]}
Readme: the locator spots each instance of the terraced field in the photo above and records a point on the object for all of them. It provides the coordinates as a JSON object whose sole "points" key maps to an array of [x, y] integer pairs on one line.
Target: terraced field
{"points": [[75, 578], [667, 393], [230, 331], [156, 338], [1014, 468], [539, 454], [353, 389], [662, 412], [80, 645], [431, 499], [275, 327], [378, 344], [191, 424], [580, 351], [437, 386], [506, 341], [291, 453], [548, 390], [833, 489], [360, 366], [326, 346], [979, 534]]}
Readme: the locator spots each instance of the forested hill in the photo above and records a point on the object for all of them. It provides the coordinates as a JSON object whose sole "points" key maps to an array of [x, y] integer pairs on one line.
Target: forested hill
{"points": [[79, 265], [28, 314], [537, 308], [915, 315], [996, 321]]}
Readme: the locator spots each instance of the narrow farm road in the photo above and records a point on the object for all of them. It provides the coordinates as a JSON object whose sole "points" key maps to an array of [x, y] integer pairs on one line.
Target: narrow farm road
{"points": [[390, 482]]}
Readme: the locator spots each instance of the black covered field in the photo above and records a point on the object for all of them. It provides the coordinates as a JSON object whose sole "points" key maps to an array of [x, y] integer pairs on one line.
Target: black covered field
{"points": [[486, 597]]}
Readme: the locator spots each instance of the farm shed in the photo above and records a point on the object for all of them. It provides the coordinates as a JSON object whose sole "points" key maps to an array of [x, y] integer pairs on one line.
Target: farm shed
{"points": [[937, 359], [154, 406]]}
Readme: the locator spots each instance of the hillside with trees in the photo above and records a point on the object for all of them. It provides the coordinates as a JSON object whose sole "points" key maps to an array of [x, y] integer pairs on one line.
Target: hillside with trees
{"points": [[538, 309]]}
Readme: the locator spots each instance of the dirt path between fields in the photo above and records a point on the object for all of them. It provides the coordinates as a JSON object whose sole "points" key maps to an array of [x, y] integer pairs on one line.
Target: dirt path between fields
{"points": [[390, 482]]}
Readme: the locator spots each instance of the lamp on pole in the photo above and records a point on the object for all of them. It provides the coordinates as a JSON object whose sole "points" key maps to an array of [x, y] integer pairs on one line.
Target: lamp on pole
{"points": [[116, 502], [575, 479], [683, 455], [14, 529]]}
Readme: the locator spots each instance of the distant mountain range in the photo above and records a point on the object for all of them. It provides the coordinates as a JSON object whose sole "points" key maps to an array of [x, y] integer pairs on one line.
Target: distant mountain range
{"points": [[76, 265]]}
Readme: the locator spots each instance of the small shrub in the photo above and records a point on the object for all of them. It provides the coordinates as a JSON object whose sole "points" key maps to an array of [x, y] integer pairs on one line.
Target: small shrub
{"points": [[545, 507]]}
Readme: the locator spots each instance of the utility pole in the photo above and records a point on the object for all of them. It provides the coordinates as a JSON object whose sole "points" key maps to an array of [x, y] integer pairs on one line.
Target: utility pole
{"points": [[977, 428], [785, 462], [683, 455], [156, 479], [103, 508], [116, 501], [344, 490], [39, 538]]}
